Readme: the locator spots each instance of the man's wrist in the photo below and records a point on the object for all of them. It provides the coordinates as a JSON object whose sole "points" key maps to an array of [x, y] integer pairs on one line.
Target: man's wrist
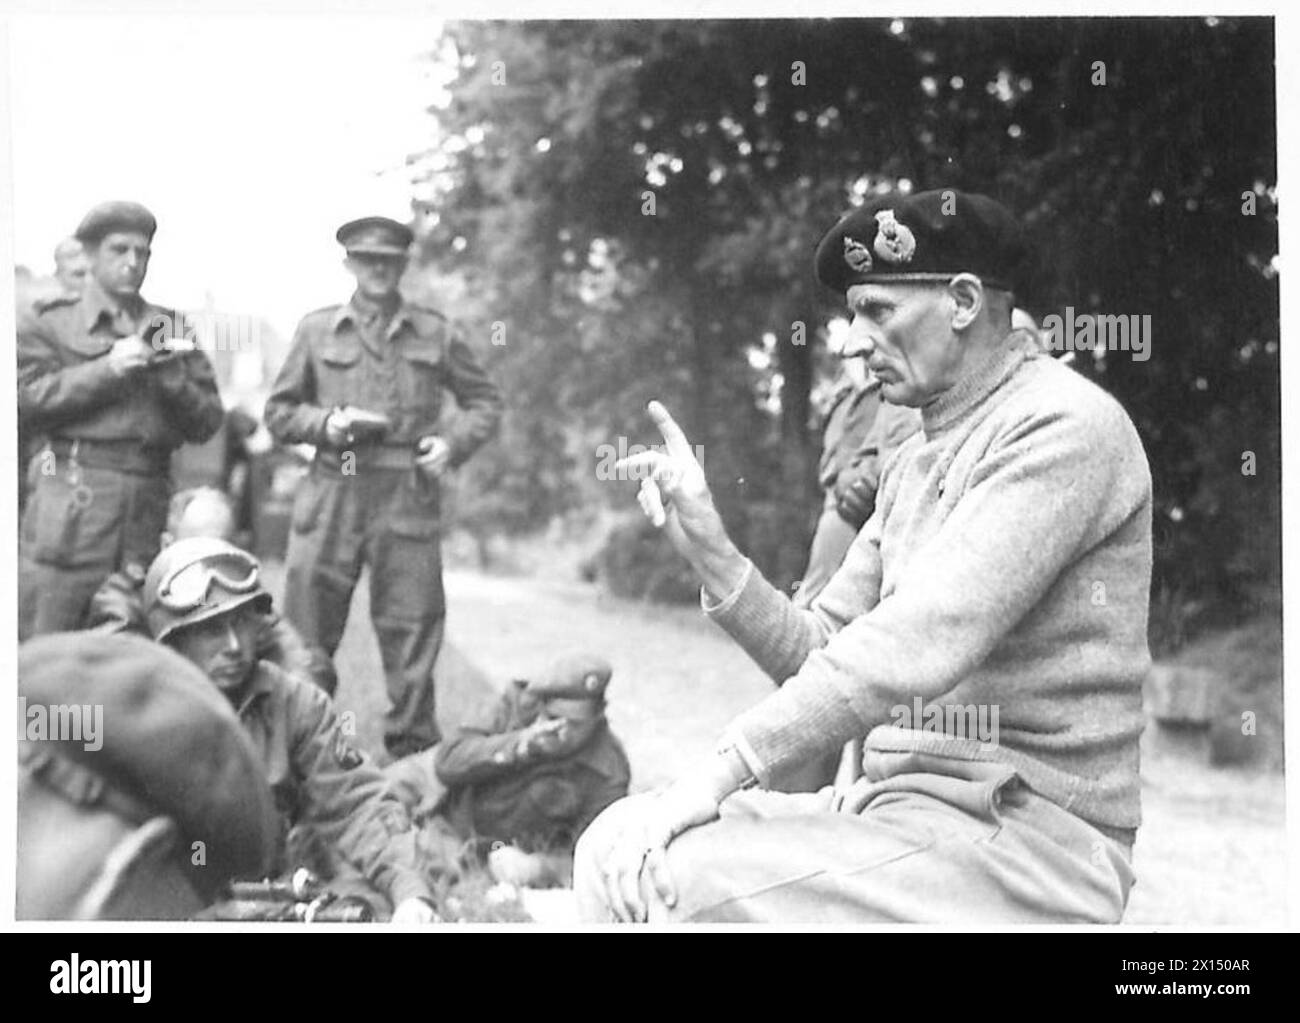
{"points": [[721, 569], [729, 772]]}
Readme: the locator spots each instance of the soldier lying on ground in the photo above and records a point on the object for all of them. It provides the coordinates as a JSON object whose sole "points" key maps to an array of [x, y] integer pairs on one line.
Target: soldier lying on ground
{"points": [[530, 776], [204, 598], [118, 605], [148, 809]]}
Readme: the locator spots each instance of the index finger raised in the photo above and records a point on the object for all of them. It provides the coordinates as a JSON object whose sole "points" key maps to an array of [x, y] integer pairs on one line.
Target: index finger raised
{"points": [[674, 439]]}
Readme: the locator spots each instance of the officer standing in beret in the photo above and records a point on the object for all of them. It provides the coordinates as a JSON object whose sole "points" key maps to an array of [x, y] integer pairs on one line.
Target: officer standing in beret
{"points": [[364, 383], [102, 377], [986, 633], [533, 772], [148, 808], [204, 598]]}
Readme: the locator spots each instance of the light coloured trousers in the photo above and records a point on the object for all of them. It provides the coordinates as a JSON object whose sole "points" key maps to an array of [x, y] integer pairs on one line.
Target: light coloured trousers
{"points": [[919, 839]]}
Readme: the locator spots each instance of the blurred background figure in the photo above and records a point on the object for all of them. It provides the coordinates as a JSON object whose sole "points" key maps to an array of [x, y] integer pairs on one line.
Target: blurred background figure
{"points": [[32, 294], [71, 266]]}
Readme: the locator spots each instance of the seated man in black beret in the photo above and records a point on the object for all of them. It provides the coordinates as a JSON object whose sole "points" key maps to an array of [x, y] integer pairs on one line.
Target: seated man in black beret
{"points": [[528, 778], [139, 795], [986, 632], [204, 599]]}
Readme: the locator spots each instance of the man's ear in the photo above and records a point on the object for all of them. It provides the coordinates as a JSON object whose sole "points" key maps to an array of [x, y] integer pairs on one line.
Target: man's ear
{"points": [[967, 294]]}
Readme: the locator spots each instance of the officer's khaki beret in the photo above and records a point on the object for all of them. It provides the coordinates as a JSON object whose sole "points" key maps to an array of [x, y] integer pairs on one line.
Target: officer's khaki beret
{"points": [[375, 235], [578, 676], [119, 215], [165, 735], [929, 236]]}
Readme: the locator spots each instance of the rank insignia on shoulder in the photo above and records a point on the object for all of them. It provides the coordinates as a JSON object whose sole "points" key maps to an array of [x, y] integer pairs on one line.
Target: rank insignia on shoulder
{"points": [[856, 255], [895, 242]]}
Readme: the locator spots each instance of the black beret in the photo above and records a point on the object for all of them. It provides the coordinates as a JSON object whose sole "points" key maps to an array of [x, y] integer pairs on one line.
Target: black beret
{"points": [[167, 737], [378, 235], [115, 216], [929, 236], [576, 676]]}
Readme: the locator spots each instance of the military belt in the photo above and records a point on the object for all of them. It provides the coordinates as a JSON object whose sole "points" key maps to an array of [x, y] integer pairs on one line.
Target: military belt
{"points": [[128, 455], [367, 456]]}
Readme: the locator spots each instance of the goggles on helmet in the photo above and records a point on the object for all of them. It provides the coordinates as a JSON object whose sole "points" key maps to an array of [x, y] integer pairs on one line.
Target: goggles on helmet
{"points": [[187, 587]]}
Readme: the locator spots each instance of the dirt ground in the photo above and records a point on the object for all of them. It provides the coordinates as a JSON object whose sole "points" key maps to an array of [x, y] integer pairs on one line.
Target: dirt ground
{"points": [[1211, 851]]}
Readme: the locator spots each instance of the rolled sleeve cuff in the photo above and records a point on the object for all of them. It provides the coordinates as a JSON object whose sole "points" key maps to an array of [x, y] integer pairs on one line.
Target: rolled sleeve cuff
{"points": [[711, 606], [804, 719]]}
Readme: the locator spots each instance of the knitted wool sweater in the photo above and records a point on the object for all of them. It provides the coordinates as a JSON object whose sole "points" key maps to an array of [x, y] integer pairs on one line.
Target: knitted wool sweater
{"points": [[1007, 566]]}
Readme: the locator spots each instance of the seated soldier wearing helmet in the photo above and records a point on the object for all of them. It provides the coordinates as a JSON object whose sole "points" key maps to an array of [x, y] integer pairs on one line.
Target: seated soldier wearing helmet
{"points": [[118, 605], [150, 816], [528, 777], [204, 598]]}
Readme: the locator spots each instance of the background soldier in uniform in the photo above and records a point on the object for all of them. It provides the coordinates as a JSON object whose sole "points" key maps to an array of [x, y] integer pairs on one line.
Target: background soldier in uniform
{"points": [[151, 819], [97, 378], [71, 270], [364, 383], [204, 598]]}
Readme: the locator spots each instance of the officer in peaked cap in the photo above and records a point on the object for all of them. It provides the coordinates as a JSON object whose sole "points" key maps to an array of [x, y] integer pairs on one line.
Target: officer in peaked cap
{"points": [[365, 383], [115, 385], [377, 236], [972, 585], [148, 807]]}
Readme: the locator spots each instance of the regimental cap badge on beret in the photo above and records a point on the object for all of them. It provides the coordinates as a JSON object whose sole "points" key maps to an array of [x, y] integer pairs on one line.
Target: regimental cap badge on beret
{"points": [[895, 242], [920, 237], [856, 255]]}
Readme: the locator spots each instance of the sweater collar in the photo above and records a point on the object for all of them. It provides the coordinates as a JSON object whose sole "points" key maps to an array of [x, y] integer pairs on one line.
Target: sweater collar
{"points": [[971, 390]]}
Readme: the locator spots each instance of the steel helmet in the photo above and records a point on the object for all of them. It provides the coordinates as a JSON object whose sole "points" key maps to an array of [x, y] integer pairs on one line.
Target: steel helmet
{"points": [[197, 579]]}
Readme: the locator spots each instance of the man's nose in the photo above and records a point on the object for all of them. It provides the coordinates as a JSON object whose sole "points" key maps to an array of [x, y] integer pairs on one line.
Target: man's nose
{"points": [[858, 341], [233, 642]]}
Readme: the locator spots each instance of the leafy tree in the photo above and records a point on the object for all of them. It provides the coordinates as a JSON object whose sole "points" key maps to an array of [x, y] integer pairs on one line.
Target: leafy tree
{"points": [[637, 204]]}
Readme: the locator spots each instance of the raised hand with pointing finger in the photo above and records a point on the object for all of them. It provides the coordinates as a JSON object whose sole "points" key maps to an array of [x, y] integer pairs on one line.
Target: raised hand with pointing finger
{"points": [[675, 497]]}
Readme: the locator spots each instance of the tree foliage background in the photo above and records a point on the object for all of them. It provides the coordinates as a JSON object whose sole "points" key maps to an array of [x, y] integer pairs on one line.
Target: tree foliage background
{"points": [[626, 210]]}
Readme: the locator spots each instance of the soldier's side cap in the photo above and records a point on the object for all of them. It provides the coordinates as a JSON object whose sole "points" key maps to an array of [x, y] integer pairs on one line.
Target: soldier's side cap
{"points": [[166, 736], [928, 236], [118, 215], [575, 676], [376, 235]]}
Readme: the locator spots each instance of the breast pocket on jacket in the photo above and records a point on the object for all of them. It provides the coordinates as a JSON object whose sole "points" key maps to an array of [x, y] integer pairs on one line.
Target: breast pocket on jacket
{"points": [[338, 381], [423, 380]]}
